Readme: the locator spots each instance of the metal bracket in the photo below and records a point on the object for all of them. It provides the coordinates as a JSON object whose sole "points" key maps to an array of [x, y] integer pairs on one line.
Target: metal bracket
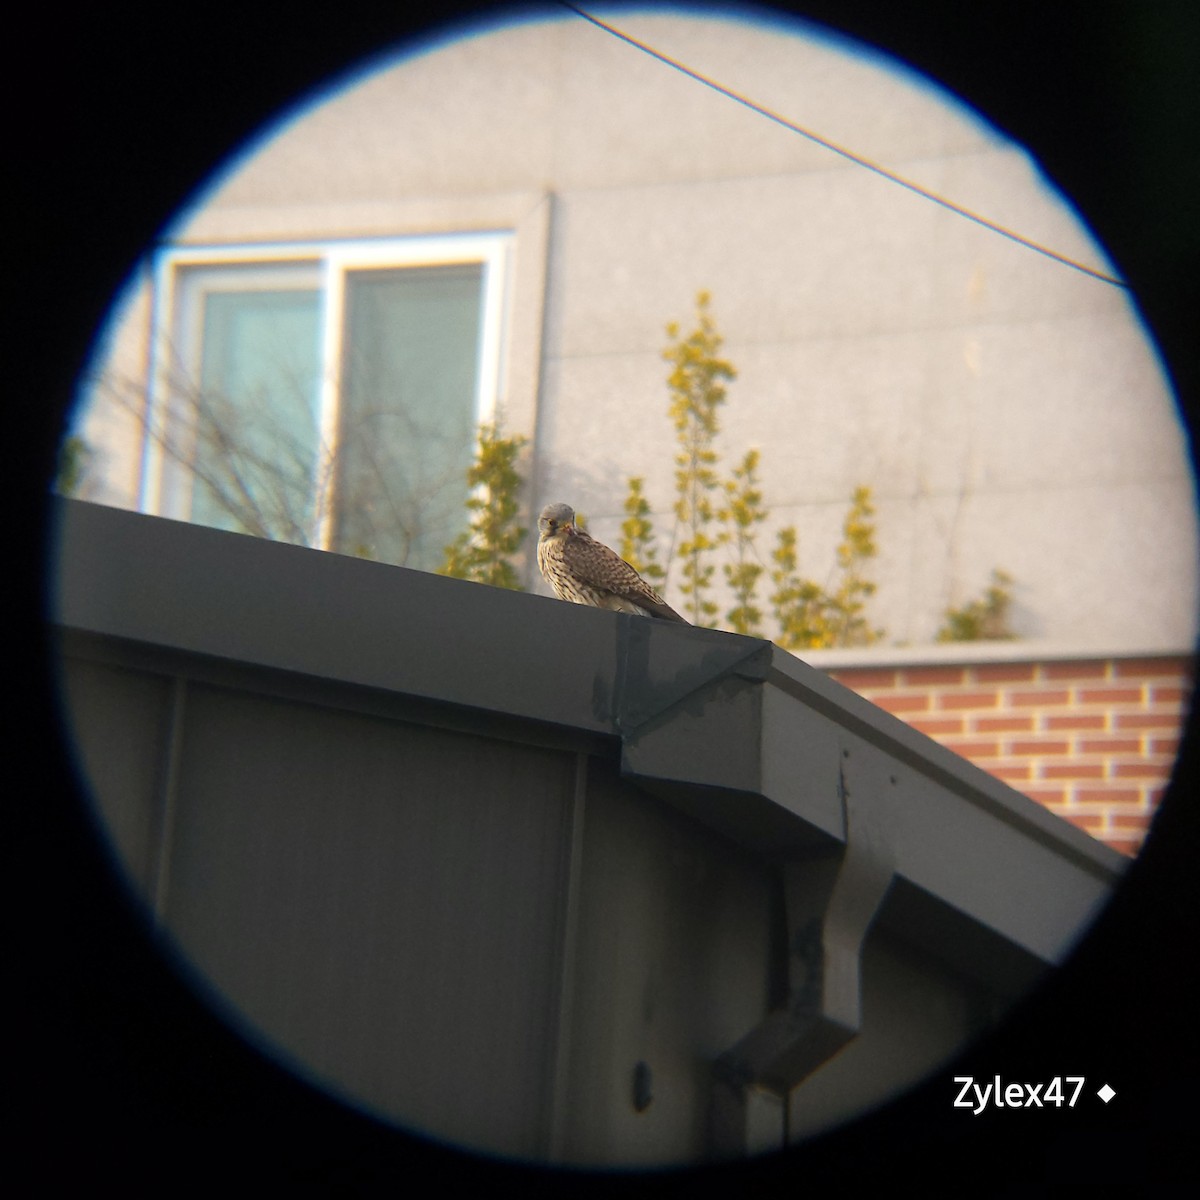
{"points": [[652, 676]]}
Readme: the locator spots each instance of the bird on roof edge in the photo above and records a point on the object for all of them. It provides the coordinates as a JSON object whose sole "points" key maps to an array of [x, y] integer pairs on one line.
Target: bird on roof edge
{"points": [[585, 571]]}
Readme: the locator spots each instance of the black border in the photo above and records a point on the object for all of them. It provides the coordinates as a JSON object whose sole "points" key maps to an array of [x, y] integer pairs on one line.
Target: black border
{"points": [[121, 1074]]}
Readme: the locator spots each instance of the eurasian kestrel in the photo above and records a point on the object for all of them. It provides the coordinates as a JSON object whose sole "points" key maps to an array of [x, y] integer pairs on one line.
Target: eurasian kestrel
{"points": [[585, 571]]}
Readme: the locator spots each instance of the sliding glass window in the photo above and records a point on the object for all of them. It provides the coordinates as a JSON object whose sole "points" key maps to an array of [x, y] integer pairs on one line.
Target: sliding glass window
{"points": [[327, 396]]}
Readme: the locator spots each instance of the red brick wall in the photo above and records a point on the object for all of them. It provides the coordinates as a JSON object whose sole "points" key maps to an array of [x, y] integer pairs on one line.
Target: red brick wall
{"points": [[1094, 741]]}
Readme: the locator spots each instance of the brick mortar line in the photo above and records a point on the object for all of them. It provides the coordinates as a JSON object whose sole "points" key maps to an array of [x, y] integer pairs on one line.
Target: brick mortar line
{"points": [[907, 690], [1006, 757], [1170, 669], [1095, 808], [1008, 686], [1091, 708]]}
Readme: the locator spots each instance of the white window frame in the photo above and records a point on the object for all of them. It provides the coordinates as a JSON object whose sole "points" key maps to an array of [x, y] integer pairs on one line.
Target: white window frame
{"points": [[160, 492]]}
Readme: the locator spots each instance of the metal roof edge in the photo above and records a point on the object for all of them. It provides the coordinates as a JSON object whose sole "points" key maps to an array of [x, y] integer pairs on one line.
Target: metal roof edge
{"points": [[229, 596], [772, 762], [761, 746], [811, 685]]}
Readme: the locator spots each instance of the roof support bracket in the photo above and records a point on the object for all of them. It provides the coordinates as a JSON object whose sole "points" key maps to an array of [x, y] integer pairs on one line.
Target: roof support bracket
{"points": [[831, 900]]}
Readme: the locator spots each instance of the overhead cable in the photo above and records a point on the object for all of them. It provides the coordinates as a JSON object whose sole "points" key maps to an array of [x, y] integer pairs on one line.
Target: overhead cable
{"points": [[850, 155]]}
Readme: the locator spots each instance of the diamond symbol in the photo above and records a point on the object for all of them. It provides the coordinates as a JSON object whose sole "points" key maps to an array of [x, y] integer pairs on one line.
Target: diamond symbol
{"points": [[1106, 1093]]}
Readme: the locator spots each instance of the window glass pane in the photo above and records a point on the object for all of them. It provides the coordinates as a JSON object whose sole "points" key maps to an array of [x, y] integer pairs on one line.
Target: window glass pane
{"points": [[408, 411], [256, 455]]}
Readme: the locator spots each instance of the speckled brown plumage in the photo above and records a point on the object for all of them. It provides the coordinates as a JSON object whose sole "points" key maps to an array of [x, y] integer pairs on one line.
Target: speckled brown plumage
{"points": [[585, 571]]}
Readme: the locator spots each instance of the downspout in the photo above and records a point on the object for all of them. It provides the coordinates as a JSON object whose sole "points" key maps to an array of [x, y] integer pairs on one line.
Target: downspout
{"points": [[831, 901], [831, 897]]}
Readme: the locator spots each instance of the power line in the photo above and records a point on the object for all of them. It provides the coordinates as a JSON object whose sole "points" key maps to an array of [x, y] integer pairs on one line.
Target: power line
{"points": [[857, 159]]}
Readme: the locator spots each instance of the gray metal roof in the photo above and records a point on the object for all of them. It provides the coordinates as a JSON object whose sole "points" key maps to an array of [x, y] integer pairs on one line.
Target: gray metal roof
{"points": [[738, 733]]}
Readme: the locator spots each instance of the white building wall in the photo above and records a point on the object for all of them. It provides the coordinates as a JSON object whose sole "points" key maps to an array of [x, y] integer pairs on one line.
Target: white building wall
{"points": [[1005, 409]]}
